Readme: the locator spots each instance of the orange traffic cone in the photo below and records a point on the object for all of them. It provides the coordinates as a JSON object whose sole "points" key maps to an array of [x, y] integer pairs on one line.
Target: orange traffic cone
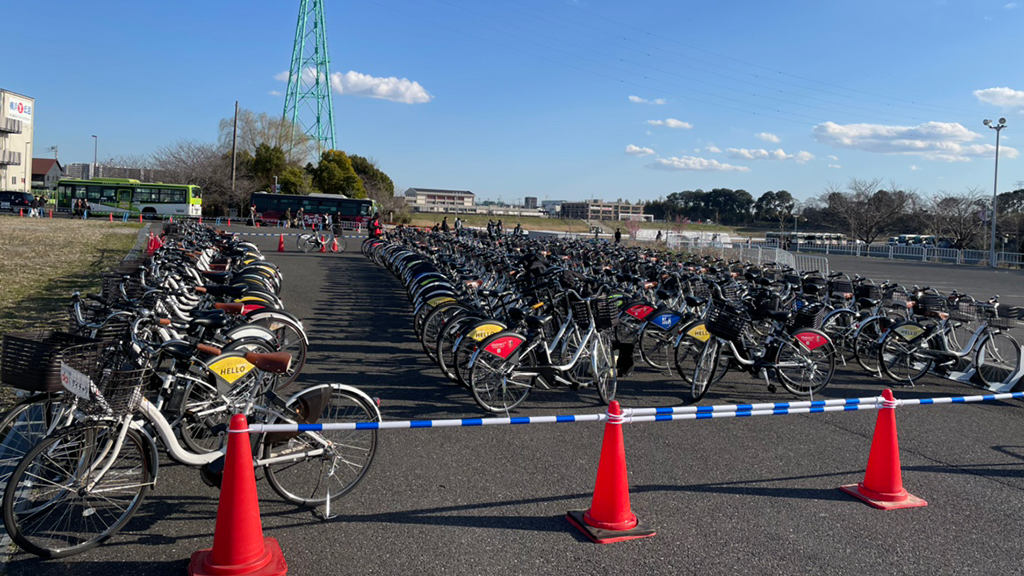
{"points": [[229, 222], [883, 483], [200, 218], [280, 244], [323, 244], [151, 245], [334, 245], [171, 220], [239, 547], [140, 218], [51, 213], [21, 212], [609, 518], [111, 215]]}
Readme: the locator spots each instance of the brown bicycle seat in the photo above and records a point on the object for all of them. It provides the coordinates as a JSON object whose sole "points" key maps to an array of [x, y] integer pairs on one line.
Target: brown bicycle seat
{"points": [[276, 362], [230, 307]]}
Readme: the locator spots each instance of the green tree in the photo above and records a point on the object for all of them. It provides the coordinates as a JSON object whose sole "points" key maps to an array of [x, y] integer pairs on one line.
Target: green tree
{"points": [[269, 161], [378, 184], [334, 175], [295, 180]]}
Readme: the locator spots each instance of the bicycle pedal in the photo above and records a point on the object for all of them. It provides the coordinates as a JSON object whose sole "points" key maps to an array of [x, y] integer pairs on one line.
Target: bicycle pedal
{"points": [[772, 388]]}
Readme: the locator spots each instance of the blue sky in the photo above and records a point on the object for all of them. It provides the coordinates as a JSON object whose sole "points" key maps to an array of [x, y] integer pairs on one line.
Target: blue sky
{"points": [[560, 99]]}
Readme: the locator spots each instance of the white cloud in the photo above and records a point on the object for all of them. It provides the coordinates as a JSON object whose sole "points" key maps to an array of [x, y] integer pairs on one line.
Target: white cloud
{"points": [[831, 157], [639, 100], [638, 151], [803, 156], [395, 89], [942, 141], [758, 154], [274, 93], [694, 164], [768, 137], [712, 148], [834, 166], [1010, 6], [915, 167], [1002, 97], [671, 123]]}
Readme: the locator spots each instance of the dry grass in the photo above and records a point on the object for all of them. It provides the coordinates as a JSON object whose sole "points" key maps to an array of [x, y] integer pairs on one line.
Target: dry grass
{"points": [[42, 261]]}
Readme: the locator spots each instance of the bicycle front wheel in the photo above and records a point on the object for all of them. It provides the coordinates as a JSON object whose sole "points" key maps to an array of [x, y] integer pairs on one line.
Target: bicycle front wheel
{"points": [[656, 347], [59, 501], [496, 382], [903, 360], [997, 359], [865, 345], [345, 455], [704, 371], [841, 327], [806, 362], [602, 363]]}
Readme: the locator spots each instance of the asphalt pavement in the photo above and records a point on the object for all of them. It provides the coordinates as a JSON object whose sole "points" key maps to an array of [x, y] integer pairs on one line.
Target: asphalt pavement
{"points": [[751, 496]]}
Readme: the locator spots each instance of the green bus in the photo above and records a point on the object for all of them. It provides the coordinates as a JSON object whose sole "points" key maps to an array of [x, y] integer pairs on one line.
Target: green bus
{"points": [[120, 195]]}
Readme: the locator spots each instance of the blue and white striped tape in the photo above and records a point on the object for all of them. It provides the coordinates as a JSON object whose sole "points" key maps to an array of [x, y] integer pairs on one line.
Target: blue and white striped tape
{"points": [[636, 415]]}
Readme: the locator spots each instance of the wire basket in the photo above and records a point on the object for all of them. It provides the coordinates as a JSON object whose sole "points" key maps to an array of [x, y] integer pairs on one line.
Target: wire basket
{"points": [[31, 360], [730, 290], [896, 297], [120, 392], [808, 316], [1006, 317], [840, 286], [869, 291], [699, 289], [966, 310], [931, 304], [605, 313], [726, 320], [581, 314]]}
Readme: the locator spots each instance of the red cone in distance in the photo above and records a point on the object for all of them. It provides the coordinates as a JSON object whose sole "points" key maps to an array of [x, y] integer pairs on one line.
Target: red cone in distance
{"points": [[883, 481], [111, 215], [140, 218], [609, 518], [229, 222], [200, 218], [280, 244], [21, 212], [323, 244], [334, 245], [238, 544]]}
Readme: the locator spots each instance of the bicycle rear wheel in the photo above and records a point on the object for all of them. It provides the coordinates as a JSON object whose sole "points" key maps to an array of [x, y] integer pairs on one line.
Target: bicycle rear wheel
{"points": [[656, 347], [49, 508], [307, 242], [494, 381], [997, 359], [902, 360], [602, 363], [865, 345], [806, 362], [313, 480]]}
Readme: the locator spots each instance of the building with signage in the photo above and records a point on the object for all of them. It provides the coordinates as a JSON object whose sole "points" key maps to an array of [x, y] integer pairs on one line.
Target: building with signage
{"points": [[17, 113], [434, 200]]}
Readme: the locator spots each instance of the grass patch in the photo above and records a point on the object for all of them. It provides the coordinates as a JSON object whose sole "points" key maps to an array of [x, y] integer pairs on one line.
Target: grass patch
{"points": [[508, 222], [42, 261]]}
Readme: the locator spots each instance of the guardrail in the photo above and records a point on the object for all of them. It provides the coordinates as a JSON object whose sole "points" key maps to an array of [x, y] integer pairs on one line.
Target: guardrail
{"points": [[914, 253]]}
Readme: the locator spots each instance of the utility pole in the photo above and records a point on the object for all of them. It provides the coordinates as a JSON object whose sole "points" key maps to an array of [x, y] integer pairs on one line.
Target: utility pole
{"points": [[234, 138]]}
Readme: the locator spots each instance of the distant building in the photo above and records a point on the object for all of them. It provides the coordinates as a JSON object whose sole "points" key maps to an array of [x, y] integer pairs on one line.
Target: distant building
{"points": [[552, 207], [601, 210], [78, 171], [45, 173], [435, 200], [530, 202], [17, 113]]}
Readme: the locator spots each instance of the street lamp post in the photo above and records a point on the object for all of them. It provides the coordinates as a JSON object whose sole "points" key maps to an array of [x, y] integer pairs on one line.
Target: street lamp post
{"points": [[95, 155], [995, 189]]}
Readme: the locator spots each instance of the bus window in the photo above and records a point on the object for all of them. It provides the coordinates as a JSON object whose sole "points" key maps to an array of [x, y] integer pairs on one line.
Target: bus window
{"points": [[197, 192], [170, 196], [364, 210]]}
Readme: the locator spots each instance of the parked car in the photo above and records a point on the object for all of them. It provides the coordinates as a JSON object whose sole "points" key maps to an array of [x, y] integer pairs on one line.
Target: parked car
{"points": [[15, 201]]}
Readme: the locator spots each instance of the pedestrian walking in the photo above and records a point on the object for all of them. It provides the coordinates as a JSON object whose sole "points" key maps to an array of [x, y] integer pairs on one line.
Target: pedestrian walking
{"points": [[252, 214], [444, 225], [458, 226], [658, 237], [287, 217], [618, 235]]}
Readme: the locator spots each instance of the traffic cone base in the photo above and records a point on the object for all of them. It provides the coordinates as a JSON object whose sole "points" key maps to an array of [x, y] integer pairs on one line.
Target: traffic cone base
{"points": [[602, 536], [272, 563], [883, 501], [883, 480]]}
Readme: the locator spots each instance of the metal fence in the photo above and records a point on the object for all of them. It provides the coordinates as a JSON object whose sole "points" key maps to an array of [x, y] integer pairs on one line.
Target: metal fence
{"points": [[915, 253]]}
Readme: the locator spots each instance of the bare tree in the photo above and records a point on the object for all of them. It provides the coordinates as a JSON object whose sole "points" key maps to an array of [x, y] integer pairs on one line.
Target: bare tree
{"points": [[262, 128], [137, 166], [955, 216], [191, 162], [866, 209]]}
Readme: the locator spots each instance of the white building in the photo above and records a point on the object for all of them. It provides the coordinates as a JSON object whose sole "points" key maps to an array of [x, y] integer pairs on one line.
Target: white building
{"points": [[434, 200], [16, 115], [78, 170]]}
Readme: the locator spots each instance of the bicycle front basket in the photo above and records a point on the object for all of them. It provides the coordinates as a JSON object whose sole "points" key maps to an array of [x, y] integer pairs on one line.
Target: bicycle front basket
{"points": [[726, 320]]}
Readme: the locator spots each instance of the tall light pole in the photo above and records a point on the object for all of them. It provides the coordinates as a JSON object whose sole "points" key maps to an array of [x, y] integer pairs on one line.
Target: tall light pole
{"points": [[995, 188], [95, 155]]}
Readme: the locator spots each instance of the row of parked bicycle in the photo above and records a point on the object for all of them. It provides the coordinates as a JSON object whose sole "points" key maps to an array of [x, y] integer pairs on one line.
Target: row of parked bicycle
{"points": [[504, 318], [173, 346]]}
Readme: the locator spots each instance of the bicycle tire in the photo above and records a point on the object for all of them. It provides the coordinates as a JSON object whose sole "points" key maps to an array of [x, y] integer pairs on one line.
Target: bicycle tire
{"points": [[866, 345], [42, 484], [656, 347], [841, 326], [817, 362], [342, 244], [291, 338], [446, 342], [707, 364], [606, 374], [306, 242], [24, 426], [898, 357], [996, 363], [492, 381], [316, 480]]}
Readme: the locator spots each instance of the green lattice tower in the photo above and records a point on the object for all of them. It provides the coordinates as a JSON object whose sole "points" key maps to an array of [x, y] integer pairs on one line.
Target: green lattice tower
{"points": [[307, 103]]}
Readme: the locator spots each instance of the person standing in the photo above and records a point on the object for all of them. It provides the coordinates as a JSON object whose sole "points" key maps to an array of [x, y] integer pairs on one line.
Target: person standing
{"points": [[618, 235], [33, 207], [498, 228], [458, 225], [252, 214], [287, 217], [300, 218], [444, 225], [658, 238]]}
